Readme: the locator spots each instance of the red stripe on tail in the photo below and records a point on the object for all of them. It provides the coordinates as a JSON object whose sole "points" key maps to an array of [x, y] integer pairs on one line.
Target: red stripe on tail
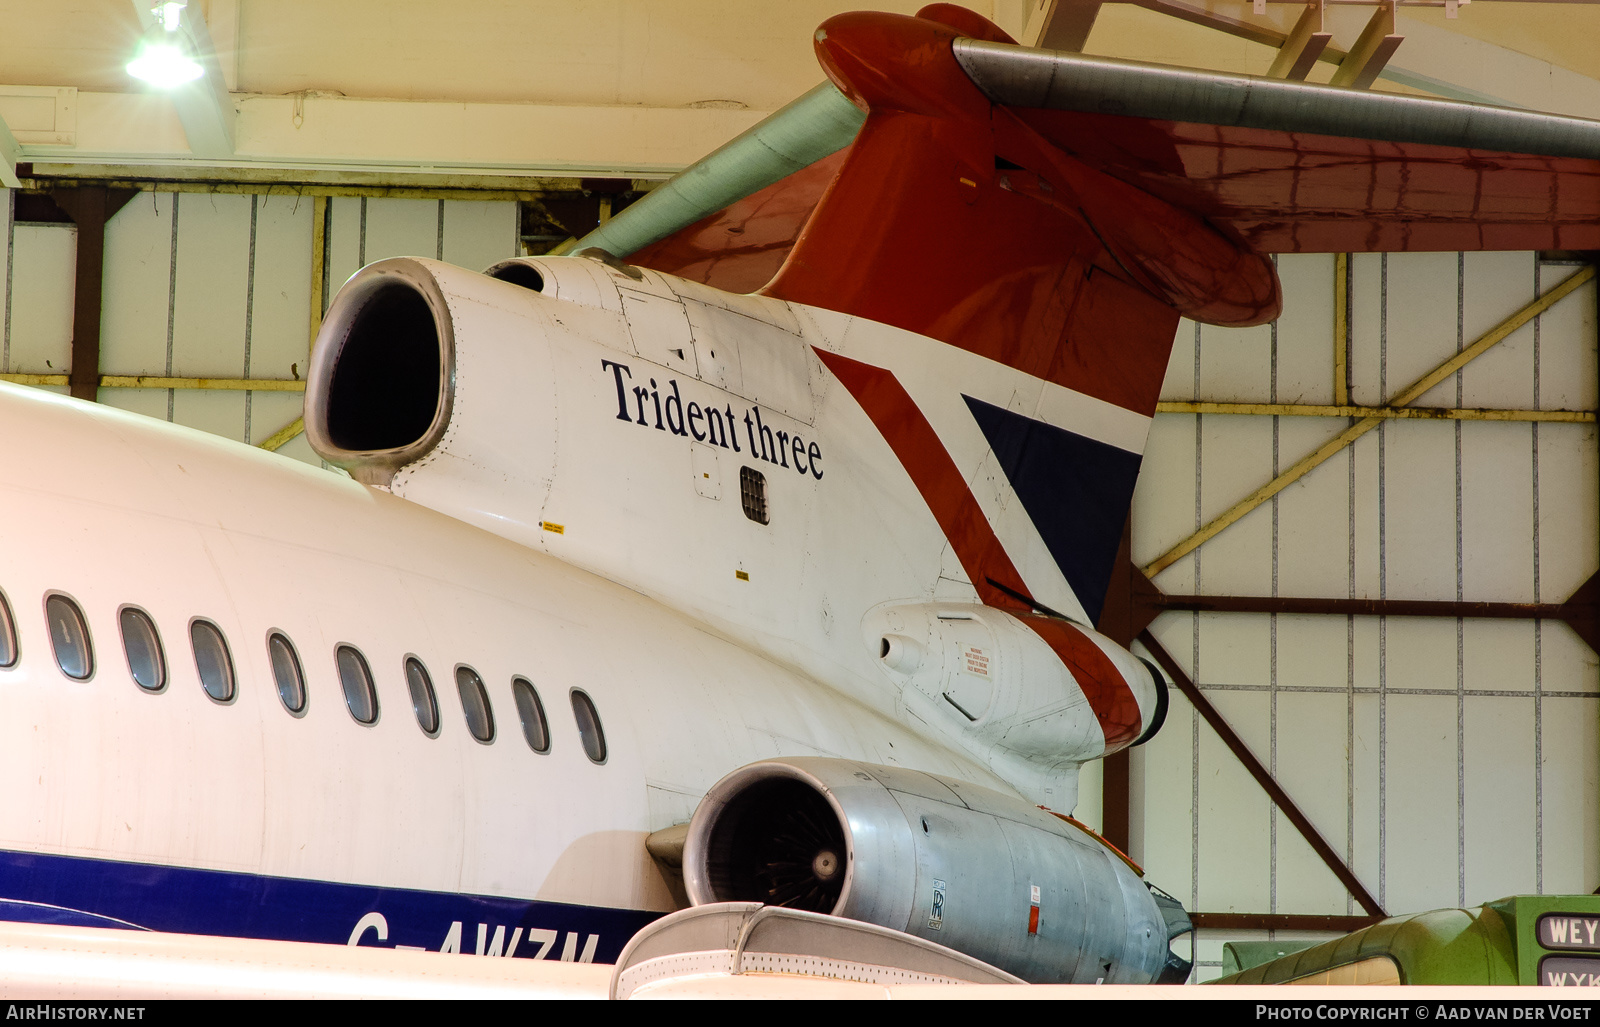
{"points": [[1108, 693], [925, 459]]}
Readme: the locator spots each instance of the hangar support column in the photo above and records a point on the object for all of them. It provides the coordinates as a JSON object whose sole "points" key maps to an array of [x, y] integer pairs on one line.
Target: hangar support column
{"points": [[90, 207]]}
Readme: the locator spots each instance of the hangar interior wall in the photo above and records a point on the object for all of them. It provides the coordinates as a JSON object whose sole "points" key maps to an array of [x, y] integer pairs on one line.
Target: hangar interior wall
{"points": [[219, 285], [1450, 761]]}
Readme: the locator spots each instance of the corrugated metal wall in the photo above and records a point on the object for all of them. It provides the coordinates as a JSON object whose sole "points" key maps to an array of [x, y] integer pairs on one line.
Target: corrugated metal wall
{"points": [[1450, 761]]}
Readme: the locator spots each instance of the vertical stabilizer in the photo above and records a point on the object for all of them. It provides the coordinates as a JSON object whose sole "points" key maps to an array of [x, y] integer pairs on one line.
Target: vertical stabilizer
{"points": [[951, 218]]}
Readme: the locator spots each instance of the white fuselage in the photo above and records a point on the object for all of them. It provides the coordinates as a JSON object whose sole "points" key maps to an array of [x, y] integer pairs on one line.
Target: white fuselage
{"points": [[113, 509]]}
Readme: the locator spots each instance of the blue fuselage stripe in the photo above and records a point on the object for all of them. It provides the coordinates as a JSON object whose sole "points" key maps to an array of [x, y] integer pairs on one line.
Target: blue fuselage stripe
{"points": [[81, 891]]}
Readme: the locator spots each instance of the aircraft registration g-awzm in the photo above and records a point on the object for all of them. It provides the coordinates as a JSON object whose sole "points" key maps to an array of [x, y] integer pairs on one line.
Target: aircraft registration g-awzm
{"points": [[782, 509]]}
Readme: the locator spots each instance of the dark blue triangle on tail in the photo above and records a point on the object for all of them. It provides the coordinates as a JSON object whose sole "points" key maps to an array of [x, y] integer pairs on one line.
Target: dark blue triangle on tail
{"points": [[1075, 489]]}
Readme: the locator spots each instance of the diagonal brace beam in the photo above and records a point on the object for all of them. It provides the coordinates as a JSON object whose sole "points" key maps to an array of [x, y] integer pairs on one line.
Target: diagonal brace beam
{"points": [[1274, 791], [1405, 398], [1306, 42], [1372, 51]]}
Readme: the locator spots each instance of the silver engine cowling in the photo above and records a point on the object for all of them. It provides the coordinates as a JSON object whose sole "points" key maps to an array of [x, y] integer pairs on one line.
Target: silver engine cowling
{"points": [[966, 867]]}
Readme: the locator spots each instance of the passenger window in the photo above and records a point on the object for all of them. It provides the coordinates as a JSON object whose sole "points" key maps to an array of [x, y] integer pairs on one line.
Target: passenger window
{"points": [[142, 645], [69, 636], [286, 671], [212, 659], [534, 727], [359, 693], [588, 718], [422, 698], [8, 635], [475, 702]]}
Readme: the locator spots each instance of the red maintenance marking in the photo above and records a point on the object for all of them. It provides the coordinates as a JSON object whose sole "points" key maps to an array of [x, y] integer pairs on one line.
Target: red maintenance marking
{"points": [[1033, 919], [935, 475]]}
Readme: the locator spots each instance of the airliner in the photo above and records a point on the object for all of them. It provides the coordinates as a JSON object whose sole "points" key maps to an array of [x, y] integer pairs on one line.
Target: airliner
{"points": [[651, 586]]}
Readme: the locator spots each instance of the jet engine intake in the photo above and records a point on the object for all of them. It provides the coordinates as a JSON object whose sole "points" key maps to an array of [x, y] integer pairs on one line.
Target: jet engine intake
{"points": [[422, 364], [970, 868]]}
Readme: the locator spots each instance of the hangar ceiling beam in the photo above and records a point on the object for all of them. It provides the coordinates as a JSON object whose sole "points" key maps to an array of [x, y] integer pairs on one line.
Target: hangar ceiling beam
{"points": [[1409, 395], [1060, 24], [1305, 44], [322, 133], [1367, 59], [204, 105], [10, 153]]}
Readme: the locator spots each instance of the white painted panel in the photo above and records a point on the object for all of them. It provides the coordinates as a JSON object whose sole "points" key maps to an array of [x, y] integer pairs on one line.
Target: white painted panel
{"points": [[1180, 382], [1420, 331], [1419, 547], [1567, 374], [1420, 652], [1234, 849], [1569, 521], [478, 234], [299, 449], [343, 242], [137, 286], [1362, 738], [211, 287], [1497, 511], [1236, 364], [1495, 286], [149, 402], [1239, 560], [1235, 649], [1163, 500], [1091, 792], [1569, 796], [1313, 512], [1366, 520], [1160, 823], [1311, 769], [1566, 662], [1366, 328], [41, 298], [1498, 655], [280, 333], [214, 411], [1420, 811], [401, 228], [1314, 652], [1500, 821], [270, 412], [1305, 330]]}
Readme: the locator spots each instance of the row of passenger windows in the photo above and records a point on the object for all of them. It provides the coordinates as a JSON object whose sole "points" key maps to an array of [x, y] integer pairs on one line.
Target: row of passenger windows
{"points": [[141, 642]]}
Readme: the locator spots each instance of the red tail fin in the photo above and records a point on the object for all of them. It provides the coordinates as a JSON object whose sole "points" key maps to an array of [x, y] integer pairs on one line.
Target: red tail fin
{"points": [[953, 219]]}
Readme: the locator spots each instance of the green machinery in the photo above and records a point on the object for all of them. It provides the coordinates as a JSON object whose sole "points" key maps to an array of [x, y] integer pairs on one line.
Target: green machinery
{"points": [[1551, 940]]}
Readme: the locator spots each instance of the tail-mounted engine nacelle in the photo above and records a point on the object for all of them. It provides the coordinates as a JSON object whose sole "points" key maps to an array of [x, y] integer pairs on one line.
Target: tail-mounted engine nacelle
{"points": [[1017, 690], [437, 383], [967, 867]]}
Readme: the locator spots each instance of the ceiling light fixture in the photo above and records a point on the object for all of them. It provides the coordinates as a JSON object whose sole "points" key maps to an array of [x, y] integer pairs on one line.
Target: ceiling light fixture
{"points": [[165, 56]]}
